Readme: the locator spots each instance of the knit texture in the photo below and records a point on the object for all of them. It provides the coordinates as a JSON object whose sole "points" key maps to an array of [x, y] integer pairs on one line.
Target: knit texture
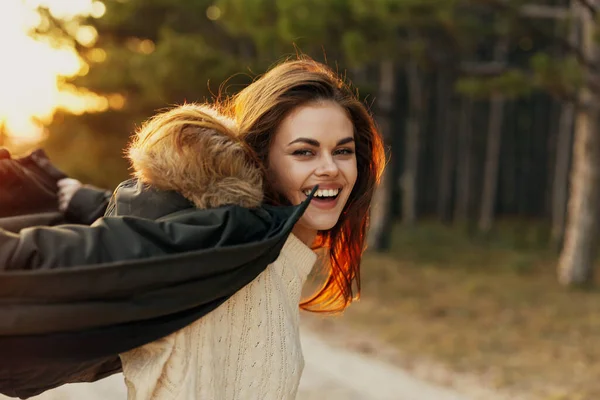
{"points": [[248, 348]]}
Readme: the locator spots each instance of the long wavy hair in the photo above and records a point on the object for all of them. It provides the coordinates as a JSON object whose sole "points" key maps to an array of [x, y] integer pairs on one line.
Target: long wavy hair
{"points": [[260, 108]]}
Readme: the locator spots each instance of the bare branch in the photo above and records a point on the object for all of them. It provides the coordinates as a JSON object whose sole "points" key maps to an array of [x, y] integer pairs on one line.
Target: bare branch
{"points": [[563, 43], [543, 11], [589, 6]]}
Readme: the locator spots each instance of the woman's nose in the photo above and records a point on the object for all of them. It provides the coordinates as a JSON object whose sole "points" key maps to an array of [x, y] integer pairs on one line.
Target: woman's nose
{"points": [[327, 167]]}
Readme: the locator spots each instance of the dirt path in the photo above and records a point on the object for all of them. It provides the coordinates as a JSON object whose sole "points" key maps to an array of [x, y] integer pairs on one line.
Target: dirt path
{"points": [[336, 373], [331, 373]]}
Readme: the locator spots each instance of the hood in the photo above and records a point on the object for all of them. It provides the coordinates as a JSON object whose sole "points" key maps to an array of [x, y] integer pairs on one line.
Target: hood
{"points": [[194, 151], [137, 199]]}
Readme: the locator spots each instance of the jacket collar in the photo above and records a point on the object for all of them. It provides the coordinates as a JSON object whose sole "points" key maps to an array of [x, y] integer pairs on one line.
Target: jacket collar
{"points": [[134, 198]]}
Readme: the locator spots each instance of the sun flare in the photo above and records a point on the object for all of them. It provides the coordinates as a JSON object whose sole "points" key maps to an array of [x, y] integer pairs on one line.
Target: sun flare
{"points": [[30, 69]]}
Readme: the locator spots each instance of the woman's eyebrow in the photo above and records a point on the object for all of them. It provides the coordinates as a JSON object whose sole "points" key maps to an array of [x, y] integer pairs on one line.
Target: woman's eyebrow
{"points": [[311, 142], [316, 143], [345, 141]]}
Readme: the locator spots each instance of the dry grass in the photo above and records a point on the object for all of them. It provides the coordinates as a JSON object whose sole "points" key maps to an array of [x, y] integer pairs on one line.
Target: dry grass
{"points": [[489, 308]]}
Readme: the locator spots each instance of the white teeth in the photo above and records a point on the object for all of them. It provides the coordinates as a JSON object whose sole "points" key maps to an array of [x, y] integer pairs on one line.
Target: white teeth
{"points": [[324, 192]]}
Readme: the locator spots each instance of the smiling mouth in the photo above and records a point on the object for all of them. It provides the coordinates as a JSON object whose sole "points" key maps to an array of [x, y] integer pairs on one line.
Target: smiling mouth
{"points": [[325, 195]]}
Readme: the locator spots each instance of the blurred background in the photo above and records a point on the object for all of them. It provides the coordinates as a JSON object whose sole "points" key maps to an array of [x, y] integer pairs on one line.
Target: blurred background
{"points": [[484, 232]]}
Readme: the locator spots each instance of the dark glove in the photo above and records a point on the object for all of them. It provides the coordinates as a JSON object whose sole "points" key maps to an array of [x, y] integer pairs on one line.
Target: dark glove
{"points": [[28, 184]]}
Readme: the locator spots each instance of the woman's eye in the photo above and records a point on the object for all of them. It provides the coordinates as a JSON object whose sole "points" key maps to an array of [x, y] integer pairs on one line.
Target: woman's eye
{"points": [[303, 153], [344, 152]]}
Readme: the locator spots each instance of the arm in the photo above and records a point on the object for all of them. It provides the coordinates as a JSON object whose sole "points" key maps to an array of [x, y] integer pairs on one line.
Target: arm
{"points": [[44, 247], [32, 185], [107, 240], [82, 204], [15, 224]]}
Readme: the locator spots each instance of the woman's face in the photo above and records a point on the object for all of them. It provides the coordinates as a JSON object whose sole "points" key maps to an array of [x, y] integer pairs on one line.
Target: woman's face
{"points": [[314, 145]]}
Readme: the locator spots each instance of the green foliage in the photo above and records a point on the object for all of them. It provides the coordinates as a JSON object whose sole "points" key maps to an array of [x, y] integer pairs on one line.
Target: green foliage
{"points": [[90, 147], [157, 53], [164, 52], [561, 77], [511, 84]]}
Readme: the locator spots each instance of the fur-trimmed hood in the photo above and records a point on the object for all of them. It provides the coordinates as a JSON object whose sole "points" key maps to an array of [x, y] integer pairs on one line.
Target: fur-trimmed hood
{"points": [[195, 151]]}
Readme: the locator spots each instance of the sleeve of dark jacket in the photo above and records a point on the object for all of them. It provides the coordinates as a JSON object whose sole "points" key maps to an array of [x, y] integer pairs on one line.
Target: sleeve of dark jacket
{"points": [[19, 222], [87, 205], [108, 239]]}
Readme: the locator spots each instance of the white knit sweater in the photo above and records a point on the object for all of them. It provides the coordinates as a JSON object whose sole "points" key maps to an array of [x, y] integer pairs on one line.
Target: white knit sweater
{"points": [[248, 348]]}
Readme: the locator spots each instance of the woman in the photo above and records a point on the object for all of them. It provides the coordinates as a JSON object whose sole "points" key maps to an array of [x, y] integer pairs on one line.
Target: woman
{"points": [[307, 128]]}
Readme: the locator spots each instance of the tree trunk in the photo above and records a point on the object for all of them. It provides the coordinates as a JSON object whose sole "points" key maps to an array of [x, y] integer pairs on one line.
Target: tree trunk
{"points": [[381, 214], [411, 156], [560, 183], [490, 177], [463, 174], [577, 257], [576, 261], [564, 147], [445, 128]]}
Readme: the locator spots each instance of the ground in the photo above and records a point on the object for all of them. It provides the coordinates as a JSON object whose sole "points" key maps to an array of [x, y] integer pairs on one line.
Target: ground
{"points": [[332, 372], [470, 311]]}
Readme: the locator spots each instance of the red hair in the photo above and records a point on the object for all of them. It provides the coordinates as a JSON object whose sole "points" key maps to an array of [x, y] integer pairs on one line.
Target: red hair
{"points": [[261, 107]]}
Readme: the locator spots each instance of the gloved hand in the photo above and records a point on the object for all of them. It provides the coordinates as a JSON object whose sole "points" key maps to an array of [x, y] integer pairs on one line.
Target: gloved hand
{"points": [[28, 185]]}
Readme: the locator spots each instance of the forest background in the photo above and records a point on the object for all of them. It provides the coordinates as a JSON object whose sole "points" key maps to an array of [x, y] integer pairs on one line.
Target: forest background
{"points": [[484, 232]]}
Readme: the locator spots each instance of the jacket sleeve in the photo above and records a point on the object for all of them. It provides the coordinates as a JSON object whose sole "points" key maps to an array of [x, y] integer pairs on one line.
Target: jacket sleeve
{"points": [[15, 224], [107, 240], [87, 205]]}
